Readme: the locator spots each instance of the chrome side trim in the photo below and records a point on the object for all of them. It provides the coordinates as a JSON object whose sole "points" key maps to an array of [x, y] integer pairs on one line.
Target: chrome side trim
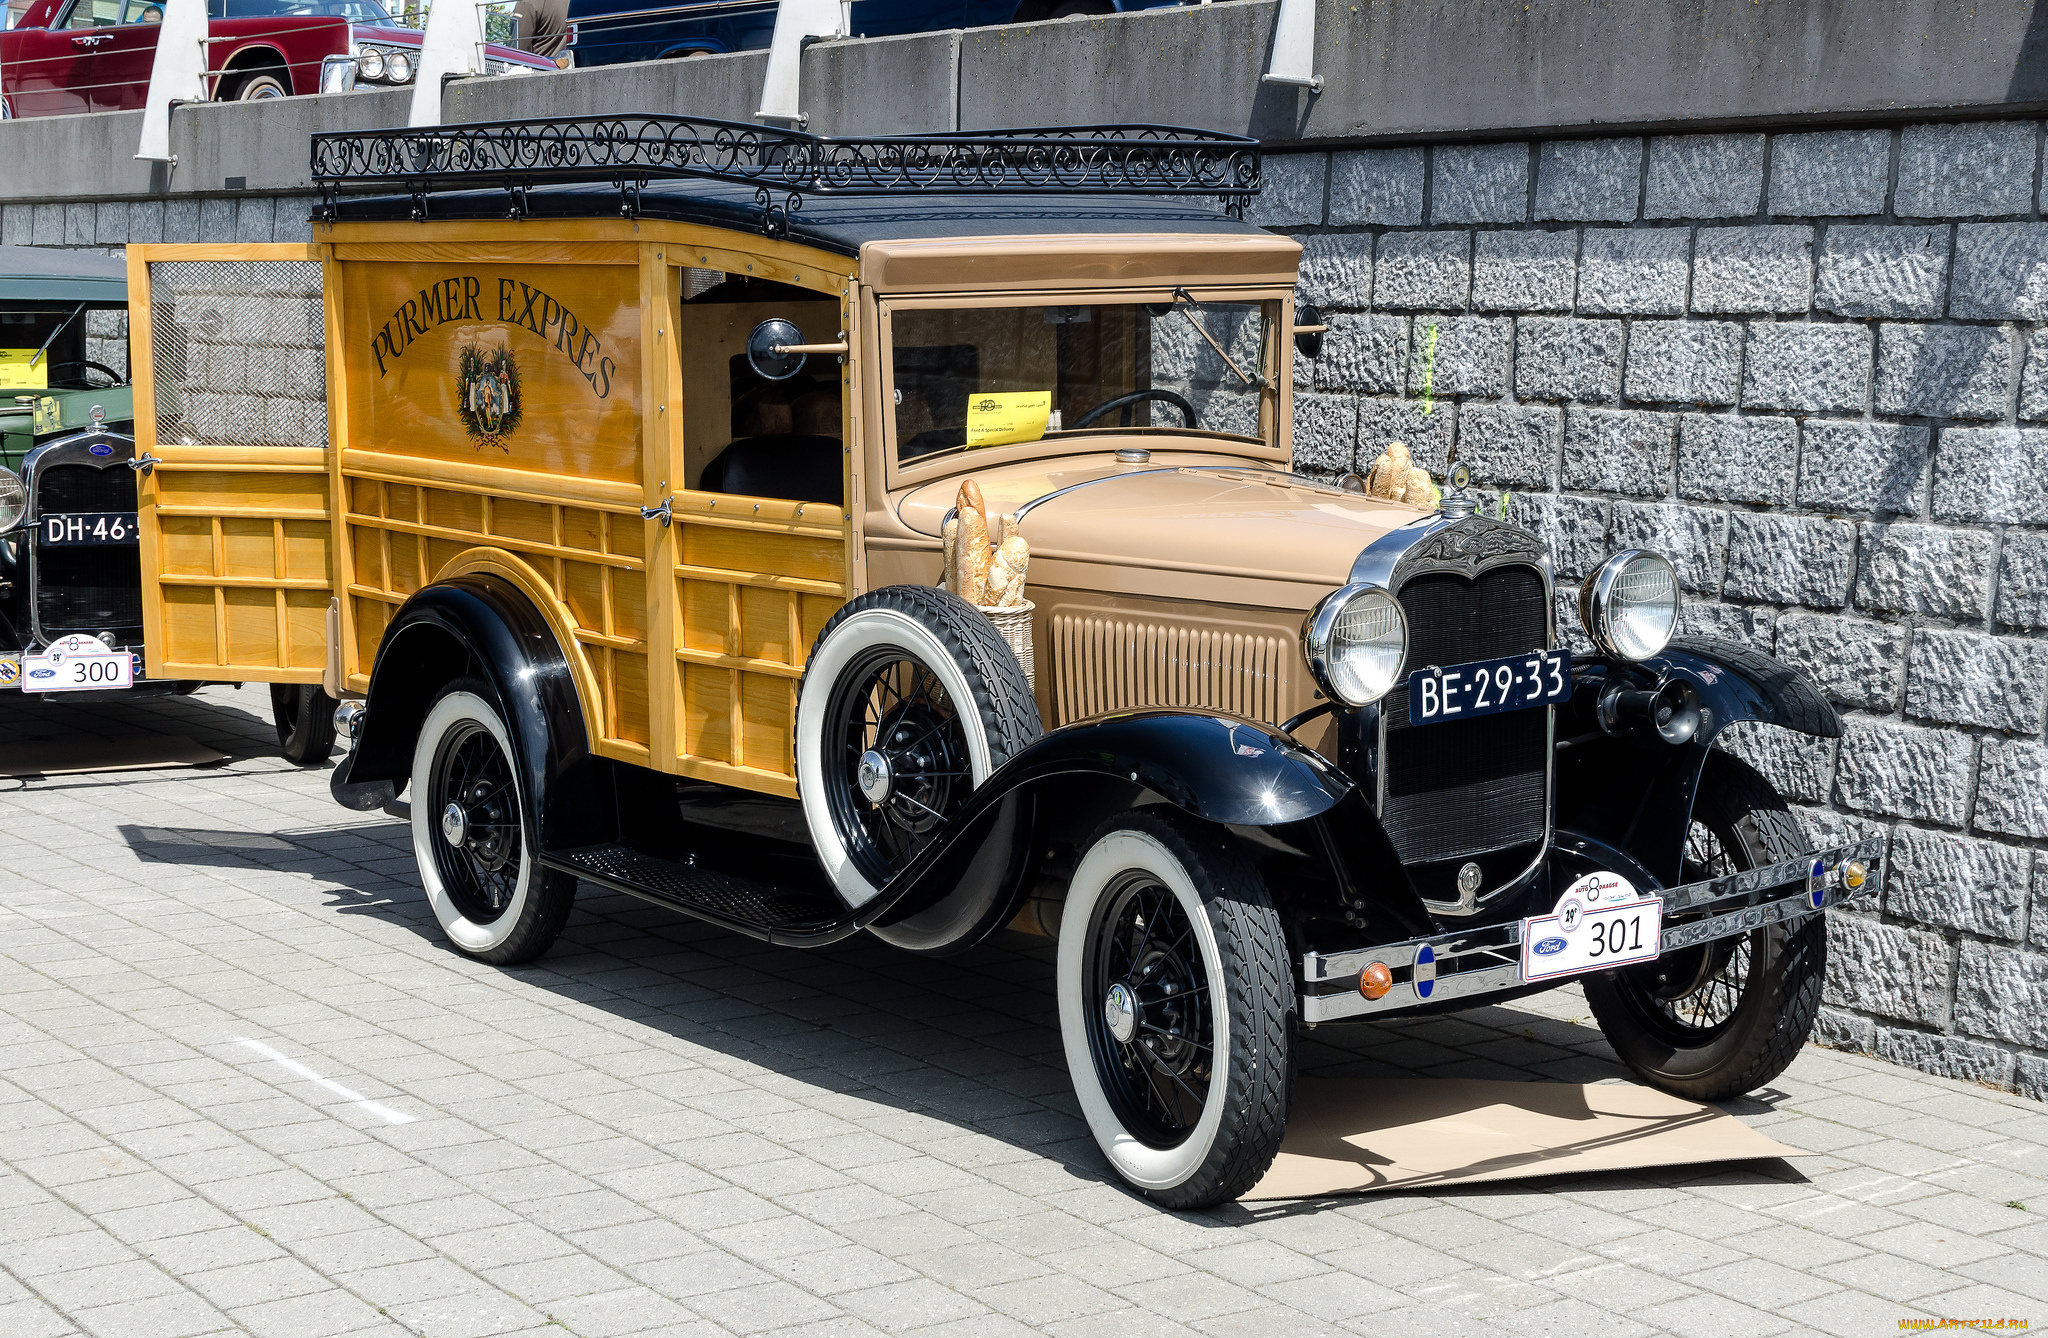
{"points": [[1818, 877]]}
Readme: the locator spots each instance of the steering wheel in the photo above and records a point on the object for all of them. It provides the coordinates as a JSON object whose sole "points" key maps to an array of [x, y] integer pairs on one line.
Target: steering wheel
{"points": [[1187, 411], [113, 377]]}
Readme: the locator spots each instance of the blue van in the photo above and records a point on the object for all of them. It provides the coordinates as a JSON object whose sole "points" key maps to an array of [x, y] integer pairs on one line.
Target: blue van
{"points": [[612, 32]]}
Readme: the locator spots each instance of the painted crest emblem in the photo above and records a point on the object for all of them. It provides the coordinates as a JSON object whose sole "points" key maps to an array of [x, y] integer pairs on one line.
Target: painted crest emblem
{"points": [[487, 394]]}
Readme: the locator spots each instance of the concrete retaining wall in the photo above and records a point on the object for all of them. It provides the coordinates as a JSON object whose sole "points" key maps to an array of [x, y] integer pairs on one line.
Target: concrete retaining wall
{"points": [[1812, 368]]}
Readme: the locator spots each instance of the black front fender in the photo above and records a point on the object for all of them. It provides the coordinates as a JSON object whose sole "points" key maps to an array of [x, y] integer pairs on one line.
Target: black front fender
{"points": [[482, 626], [1635, 793], [1218, 768]]}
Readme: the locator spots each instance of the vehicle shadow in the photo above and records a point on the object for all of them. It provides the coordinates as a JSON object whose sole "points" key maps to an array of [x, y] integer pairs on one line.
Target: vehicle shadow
{"points": [[940, 1047], [226, 719]]}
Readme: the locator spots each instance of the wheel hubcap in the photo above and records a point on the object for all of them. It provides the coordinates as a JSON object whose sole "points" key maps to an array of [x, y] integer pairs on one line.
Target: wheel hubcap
{"points": [[454, 824], [1120, 1011], [874, 776]]}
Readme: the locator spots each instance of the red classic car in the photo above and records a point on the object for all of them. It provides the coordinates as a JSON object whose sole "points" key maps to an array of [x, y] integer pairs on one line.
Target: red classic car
{"points": [[70, 56]]}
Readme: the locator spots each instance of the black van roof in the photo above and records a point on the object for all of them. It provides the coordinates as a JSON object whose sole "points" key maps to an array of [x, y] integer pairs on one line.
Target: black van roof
{"points": [[833, 193], [829, 223]]}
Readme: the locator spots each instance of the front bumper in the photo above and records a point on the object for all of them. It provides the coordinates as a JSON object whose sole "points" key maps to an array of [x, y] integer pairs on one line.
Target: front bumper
{"points": [[1488, 960]]}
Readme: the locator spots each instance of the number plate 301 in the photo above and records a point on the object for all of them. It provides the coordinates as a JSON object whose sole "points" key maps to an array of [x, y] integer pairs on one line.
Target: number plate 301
{"points": [[1599, 922]]}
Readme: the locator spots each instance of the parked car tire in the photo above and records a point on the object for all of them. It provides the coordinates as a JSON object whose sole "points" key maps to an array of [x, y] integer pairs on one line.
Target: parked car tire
{"points": [[1188, 1104], [1723, 1018], [472, 836], [257, 86], [304, 715], [913, 684]]}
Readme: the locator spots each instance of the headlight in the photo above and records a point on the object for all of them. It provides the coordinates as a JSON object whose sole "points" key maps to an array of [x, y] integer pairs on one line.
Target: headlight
{"points": [[13, 500], [401, 68], [371, 63], [1630, 605], [1355, 641]]}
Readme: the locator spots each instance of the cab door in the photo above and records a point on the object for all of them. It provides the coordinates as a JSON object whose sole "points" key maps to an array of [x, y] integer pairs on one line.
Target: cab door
{"points": [[230, 366]]}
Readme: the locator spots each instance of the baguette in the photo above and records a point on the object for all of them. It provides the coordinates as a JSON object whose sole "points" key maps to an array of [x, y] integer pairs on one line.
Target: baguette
{"points": [[950, 539], [1421, 492], [1006, 572], [973, 547]]}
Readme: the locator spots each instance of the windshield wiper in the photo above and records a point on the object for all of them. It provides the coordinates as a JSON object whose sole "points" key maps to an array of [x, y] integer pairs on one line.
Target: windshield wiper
{"points": [[1182, 295], [62, 326]]}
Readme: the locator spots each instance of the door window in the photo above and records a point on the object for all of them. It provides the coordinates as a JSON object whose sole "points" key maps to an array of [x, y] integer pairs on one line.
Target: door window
{"points": [[93, 14]]}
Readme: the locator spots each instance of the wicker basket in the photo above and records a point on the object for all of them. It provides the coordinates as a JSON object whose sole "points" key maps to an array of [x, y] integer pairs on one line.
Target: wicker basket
{"points": [[1015, 626]]}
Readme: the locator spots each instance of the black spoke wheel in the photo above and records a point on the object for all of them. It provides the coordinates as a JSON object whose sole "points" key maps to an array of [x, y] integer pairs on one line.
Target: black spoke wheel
{"points": [[472, 799], [899, 759], [909, 700], [472, 833], [1177, 1007], [1722, 1018], [1153, 1041]]}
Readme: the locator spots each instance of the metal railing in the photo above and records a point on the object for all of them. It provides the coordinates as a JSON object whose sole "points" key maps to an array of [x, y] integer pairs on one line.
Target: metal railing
{"points": [[630, 151]]}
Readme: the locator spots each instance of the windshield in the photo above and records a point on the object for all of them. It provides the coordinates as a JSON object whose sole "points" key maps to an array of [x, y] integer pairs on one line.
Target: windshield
{"points": [[987, 376], [355, 11]]}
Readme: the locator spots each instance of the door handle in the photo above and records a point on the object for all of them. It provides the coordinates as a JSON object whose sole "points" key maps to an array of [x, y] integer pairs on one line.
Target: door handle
{"points": [[142, 464], [662, 513], [90, 39]]}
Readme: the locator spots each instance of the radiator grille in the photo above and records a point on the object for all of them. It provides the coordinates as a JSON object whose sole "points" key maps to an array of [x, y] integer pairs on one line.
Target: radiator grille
{"points": [[84, 488], [1459, 790], [94, 589], [1113, 664]]}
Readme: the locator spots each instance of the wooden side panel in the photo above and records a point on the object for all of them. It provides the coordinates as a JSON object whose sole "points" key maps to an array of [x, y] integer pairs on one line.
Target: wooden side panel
{"points": [[406, 526], [239, 553], [752, 592]]}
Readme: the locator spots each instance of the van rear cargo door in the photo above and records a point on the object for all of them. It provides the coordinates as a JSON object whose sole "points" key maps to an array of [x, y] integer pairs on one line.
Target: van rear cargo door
{"points": [[228, 346]]}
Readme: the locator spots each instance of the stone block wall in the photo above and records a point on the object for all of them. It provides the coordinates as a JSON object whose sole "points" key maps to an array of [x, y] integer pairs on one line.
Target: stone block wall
{"points": [[1812, 368]]}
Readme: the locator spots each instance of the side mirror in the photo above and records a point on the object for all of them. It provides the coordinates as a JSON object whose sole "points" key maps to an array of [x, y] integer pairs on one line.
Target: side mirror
{"points": [[1309, 328], [771, 350]]}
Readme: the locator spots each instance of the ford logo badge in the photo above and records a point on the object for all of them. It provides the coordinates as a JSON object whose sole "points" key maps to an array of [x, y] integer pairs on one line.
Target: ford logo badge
{"points": [[102, 449], [1549, 946], [42, 673]]}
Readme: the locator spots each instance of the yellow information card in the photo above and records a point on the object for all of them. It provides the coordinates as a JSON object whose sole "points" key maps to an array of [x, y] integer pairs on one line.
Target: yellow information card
{"points": [[16, 374], [1004, 416]]}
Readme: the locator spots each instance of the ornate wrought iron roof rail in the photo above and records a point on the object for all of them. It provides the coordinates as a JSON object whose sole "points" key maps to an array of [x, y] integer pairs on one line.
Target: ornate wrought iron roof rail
{"points": [[630, 151]]}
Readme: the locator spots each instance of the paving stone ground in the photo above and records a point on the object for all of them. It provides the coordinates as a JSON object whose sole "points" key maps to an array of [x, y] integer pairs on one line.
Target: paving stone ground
{"points": [[661, 1128]]}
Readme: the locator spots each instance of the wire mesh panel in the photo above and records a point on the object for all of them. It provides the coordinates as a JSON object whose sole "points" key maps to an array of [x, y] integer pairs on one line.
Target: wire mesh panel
{"points": [[238, 348]]}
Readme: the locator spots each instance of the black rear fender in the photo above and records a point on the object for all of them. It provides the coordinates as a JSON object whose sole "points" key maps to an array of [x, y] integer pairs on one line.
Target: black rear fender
{"points": [[1635, 793], [481, 625]]}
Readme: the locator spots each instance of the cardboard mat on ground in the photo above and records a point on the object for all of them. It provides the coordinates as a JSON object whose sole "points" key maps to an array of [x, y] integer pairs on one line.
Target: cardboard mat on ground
{"points": [[1362, 1136], [73, 757]]}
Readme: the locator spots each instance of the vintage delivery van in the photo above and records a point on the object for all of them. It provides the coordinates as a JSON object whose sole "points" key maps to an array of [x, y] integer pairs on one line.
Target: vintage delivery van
{"points": [[622, 535]]}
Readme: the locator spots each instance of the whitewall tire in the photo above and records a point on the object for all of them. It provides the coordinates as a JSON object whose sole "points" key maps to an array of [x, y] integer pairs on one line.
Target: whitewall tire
{"points": [[472, 835], [909, 702], [1177, 1006]]}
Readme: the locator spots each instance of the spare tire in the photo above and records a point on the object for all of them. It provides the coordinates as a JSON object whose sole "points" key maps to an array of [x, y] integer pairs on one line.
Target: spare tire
{"points": [[909, 702]]}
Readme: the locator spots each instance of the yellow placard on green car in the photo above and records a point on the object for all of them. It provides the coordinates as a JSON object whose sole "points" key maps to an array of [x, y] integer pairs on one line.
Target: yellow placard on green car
{"points": [[1003, 416], [16, 373]]}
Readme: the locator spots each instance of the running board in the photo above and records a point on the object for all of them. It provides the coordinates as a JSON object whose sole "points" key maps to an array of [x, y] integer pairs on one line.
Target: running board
{"points": [[762, 910]]}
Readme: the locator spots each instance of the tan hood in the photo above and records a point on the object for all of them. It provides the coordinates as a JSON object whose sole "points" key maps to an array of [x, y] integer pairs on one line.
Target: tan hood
{"points": [[1179, 530]]}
